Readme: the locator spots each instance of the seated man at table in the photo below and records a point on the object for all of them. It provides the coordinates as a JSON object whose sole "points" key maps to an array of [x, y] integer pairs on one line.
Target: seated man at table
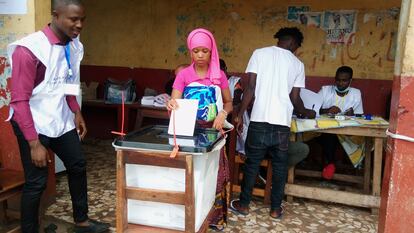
{"points": [[338, 99]]}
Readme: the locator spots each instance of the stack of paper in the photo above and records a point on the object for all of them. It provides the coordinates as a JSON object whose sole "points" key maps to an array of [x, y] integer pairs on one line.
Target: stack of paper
{"points": [[161, 100], [147, 100]]}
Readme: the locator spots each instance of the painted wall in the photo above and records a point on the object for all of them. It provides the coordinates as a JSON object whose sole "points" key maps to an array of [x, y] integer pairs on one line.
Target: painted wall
{"points": [[12, 27], [152, 34], [42, 13]]}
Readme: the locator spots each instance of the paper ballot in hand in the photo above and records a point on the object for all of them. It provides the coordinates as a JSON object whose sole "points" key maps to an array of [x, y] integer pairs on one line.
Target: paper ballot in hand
{"points": [[184, 117], [311, 100]]}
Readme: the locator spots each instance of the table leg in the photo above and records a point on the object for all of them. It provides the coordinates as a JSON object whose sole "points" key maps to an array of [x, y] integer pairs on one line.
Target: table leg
{"points": [[376, 176], [138, 121], [367, 165], [268, 187]]}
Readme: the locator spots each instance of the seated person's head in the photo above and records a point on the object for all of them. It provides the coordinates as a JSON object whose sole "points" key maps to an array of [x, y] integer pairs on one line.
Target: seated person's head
{"points": [[179, 68], [343, 78], [170, 83], [223, 66]]}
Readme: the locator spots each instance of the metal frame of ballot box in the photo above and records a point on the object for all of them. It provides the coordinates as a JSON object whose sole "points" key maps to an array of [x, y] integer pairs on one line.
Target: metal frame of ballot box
{"points": [[183, 160]]}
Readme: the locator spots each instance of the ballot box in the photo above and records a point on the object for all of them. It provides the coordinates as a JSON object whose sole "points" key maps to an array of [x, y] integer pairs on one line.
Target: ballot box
{"points": [[156, 192]]}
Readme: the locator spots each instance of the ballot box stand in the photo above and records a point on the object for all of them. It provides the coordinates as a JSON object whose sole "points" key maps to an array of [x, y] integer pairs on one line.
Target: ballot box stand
{"points": [[157, 193], [134, 156]]}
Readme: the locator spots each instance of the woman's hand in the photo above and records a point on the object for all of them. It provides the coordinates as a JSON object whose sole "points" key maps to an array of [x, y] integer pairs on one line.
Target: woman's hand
{"points": [[219, 121], [172, 105]]}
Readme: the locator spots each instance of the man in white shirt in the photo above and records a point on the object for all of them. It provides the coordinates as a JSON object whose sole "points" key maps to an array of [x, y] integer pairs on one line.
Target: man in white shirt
{"points": [[340, 99], [275, 76]]}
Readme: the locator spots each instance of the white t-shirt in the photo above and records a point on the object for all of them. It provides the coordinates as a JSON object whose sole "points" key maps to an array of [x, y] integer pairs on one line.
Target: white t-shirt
{"points": [[278, 71], [351, 100]]}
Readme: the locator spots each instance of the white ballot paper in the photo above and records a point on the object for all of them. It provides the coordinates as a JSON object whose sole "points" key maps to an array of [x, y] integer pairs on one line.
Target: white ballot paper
{"points": [[311, 100], [184, 117]]}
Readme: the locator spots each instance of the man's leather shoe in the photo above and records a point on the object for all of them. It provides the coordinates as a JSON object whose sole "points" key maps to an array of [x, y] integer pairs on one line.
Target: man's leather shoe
{"points": [[93, 227]]}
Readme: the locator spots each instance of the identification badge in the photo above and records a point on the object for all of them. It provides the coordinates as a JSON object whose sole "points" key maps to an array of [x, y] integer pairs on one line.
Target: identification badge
{"points": [[71, 89]]}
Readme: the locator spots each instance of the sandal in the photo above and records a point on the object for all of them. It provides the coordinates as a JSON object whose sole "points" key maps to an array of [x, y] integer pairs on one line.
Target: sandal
{"points": [[236, 208]]}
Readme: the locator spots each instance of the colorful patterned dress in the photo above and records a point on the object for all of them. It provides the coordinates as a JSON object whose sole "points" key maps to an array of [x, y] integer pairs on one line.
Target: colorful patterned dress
{"points": [[206, 113]]}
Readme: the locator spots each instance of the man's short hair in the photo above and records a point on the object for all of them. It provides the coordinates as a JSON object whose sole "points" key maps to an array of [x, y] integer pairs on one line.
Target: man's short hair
{"points": [[58, 3], [344, 69], [288, 33]]}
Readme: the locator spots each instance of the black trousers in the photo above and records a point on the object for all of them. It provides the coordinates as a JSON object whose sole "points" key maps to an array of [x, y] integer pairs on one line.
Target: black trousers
{"points": [[329, 144], [68, 148]]}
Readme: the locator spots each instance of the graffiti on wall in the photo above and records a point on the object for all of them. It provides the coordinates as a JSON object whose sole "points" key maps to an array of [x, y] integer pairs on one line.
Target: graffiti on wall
{"points": [[373, 48], [364, 39], [5, 71], [4, 75]]}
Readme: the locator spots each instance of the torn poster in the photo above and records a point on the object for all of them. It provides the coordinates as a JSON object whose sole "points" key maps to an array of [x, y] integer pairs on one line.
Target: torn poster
{"points": [[311, 19], [339, 26], [293, 14]]}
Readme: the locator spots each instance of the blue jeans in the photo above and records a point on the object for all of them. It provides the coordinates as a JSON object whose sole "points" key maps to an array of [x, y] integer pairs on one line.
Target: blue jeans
{"points": [[264, 138]]}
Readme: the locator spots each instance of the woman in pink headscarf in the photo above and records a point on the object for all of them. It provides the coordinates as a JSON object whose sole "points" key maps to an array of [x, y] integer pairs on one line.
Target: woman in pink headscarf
{"points": [[203, 80]]}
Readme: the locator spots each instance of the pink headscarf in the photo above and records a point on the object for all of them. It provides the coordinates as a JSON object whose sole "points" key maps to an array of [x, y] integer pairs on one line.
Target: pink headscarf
{"points": [[202, 37]]}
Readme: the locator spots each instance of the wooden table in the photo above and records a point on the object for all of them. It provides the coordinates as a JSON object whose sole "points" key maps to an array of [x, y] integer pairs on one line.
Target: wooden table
{"points": [[130, 111], [370, 198], [149, 112]]}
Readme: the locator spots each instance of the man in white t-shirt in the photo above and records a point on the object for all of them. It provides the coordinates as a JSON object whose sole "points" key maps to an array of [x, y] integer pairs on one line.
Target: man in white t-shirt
{"points": [[340, 99], [275, 76]]}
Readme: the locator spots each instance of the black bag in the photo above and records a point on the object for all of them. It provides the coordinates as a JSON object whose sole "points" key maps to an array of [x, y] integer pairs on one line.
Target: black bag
{"points": [[113, 91]]}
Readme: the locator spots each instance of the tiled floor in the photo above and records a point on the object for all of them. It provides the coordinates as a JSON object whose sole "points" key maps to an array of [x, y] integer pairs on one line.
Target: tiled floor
{"points": [[301, 215]]}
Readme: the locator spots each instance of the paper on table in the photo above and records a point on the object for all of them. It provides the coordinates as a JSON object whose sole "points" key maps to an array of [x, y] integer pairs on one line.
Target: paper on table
{"points": [[185, 117], [311, 100]]}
